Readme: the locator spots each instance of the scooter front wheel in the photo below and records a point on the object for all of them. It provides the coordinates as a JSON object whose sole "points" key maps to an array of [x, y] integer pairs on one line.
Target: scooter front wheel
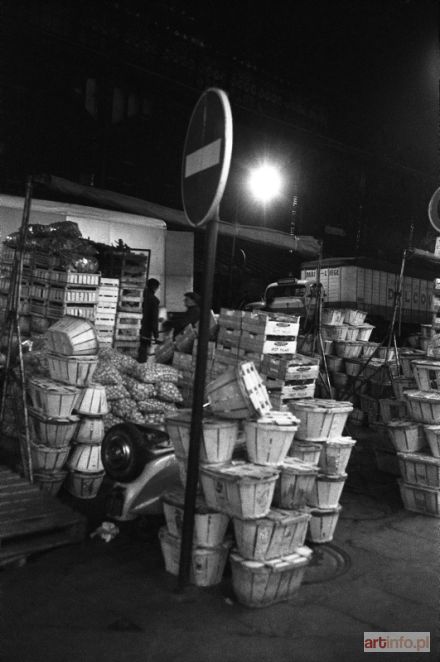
{"points": [[124, 452]]}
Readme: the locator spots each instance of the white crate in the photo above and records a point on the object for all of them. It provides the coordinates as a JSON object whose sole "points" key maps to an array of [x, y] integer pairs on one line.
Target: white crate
{"points": [[72, 295], [260, 344], [73, 278], [420, 469], [270, 324], [110, 283], [419, 499], [263, 583]]}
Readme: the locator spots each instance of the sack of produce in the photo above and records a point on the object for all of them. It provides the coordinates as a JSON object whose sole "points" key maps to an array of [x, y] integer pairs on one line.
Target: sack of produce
{"points": [[140, 391], [106, 373], [151, 405], [122, 362], [164, 352], [154, 419], [116, 392], [124, 408], [110, 420], [156, 373], [168, 392]]}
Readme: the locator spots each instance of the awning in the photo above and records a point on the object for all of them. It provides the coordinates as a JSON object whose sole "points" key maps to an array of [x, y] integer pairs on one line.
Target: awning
{"points": [[306, 246]]}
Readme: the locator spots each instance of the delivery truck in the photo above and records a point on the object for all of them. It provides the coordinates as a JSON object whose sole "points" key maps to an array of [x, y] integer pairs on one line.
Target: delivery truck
{"points": [[371, 285]]}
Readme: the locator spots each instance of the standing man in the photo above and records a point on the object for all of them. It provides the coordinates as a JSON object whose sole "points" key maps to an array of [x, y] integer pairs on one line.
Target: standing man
{"points": [[150, 318]]}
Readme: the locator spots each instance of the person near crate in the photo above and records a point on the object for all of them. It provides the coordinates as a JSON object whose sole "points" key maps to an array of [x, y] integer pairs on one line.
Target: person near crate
{"points": [[150, 319], [191, 316]]}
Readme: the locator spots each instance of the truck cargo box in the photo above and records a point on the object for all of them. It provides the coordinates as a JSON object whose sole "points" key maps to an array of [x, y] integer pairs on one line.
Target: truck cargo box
{"points": [[370, 285]]}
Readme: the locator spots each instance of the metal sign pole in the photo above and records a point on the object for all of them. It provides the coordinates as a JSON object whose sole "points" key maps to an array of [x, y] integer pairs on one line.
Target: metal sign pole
{"points": [[206, 163], [198, 402]]}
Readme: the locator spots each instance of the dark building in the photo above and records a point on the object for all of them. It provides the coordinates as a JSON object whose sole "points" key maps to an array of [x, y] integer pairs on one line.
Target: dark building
{"points": [[101, 92]]}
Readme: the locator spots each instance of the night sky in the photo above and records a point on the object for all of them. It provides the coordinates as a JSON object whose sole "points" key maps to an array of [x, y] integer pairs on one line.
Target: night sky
{"points": [[374, 64]]}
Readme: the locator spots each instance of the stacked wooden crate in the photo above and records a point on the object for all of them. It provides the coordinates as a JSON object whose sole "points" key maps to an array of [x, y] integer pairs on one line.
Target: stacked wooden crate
{"points": [[269, 340], [186, 365], [228, 340], [54, 293], [105, 319], [71, 293], [6, 265], [289, 378], [133, 278]]}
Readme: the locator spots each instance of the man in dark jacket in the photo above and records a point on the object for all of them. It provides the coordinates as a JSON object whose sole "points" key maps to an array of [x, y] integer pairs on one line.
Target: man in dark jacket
{"points": [[150, 319], [191, 316]]}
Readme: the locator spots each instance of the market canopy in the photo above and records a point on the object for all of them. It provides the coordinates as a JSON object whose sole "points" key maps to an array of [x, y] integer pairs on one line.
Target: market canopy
{"points": [[307, 246]]}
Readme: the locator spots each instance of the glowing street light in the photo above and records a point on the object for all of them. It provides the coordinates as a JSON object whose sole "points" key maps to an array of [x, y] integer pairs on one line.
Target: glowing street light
{"points": [[265, 182]]}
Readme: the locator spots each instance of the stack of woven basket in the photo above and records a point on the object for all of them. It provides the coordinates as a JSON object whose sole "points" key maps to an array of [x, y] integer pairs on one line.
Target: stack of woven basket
{"points": [[72, 359], [270, 559]]}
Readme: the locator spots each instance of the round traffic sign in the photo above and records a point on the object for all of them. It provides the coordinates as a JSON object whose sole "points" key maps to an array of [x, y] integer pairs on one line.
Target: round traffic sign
{"points": [[433, 210], [206, 156]]}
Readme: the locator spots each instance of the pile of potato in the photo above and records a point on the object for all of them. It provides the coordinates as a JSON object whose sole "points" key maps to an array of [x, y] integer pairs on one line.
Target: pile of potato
{"points": [[137, 392]]}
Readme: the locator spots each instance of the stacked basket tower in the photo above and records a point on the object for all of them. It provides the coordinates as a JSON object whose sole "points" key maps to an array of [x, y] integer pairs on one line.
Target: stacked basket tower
{"points": [[417, 440], [72, 360], [319, 438], [210, 545], [266, 496], [243, 491], [54, 400], [347, 345]]}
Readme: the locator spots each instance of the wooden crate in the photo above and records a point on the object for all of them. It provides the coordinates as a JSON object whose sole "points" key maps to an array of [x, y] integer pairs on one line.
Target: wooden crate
{"points": [[134, 270], [71, 294], [128, 326], [33, 521], [46, 261], [270, 324], [38, 307], [130, 298], [228, 337], [56, 310], [73, 278], [230, 319], [108, 295], [291, 367], [5, 284], [130, 347], [39, 291], [40, 275], [262, 344]]}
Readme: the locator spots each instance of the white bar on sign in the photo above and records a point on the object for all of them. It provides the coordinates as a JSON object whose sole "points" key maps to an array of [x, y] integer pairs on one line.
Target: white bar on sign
{"points": [[203, 158]]}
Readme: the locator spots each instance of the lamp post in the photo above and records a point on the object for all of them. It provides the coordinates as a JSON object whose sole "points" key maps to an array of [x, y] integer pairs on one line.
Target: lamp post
{"points": [[264, 182]]}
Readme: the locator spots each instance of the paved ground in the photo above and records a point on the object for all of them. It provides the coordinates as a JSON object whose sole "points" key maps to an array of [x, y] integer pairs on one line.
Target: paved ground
{"points": [[115, 603]]}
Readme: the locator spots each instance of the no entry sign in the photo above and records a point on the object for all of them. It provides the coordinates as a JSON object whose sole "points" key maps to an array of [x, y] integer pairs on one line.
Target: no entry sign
{"points": [[206, 156], [433, 210]]}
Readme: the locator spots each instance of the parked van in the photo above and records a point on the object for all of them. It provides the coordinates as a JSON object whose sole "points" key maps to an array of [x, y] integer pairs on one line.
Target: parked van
{"points": [[287, 295]]}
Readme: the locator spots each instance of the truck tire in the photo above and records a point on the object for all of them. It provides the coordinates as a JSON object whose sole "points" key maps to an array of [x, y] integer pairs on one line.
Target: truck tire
{"points": [[124, 452]]}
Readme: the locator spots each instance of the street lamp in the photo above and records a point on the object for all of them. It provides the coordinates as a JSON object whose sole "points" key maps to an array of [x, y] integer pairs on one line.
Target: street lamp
{"points": [[265, 182]]}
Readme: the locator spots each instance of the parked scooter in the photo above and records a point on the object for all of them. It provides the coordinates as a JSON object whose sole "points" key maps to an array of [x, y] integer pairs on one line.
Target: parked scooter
{"points": [[140, 458]]}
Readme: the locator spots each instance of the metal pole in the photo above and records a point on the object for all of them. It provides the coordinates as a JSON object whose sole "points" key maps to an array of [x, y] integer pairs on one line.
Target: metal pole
{"points": [[197, 408], [12, 324]]}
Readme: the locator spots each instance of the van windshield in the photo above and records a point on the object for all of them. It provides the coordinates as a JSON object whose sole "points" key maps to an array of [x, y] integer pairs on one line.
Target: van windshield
{"points": [[289, 290]]}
